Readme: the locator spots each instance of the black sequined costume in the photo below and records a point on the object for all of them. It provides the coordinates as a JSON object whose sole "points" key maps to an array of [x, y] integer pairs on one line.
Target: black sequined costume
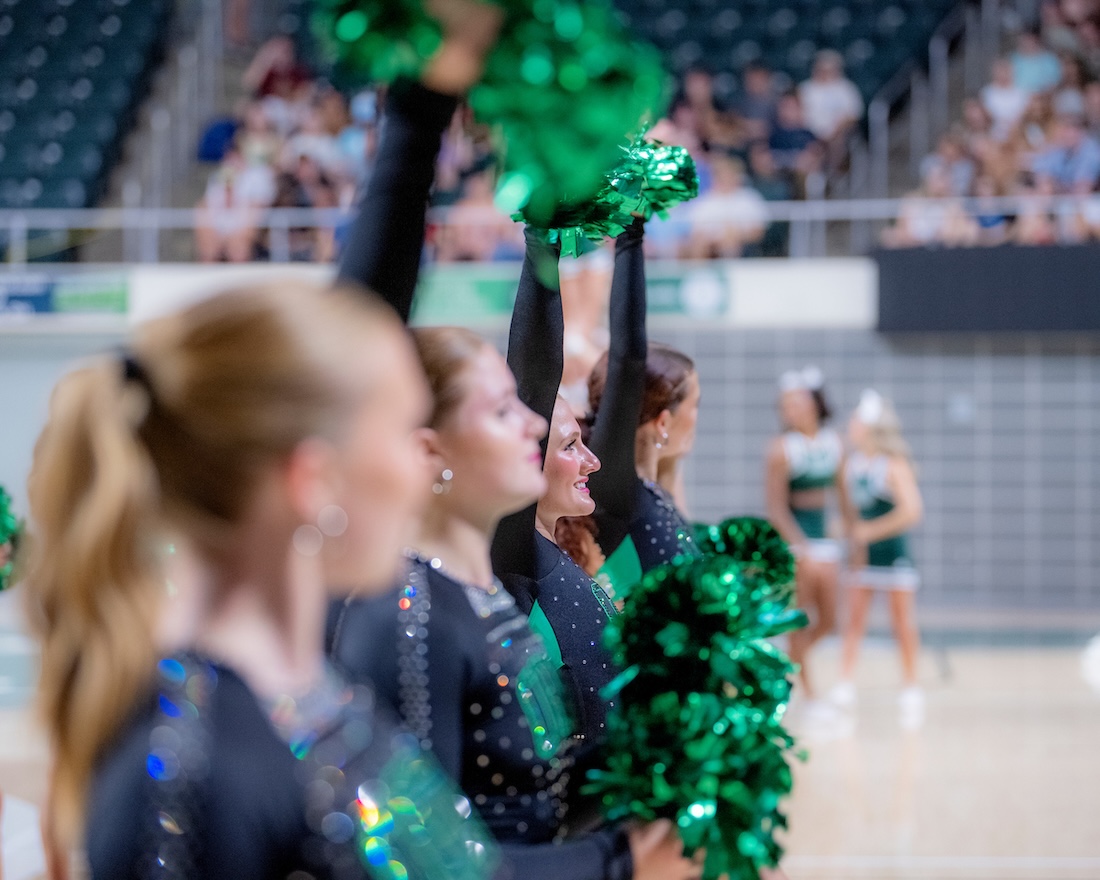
{"points": [[518, 792], [466, 673], [207, 781]]}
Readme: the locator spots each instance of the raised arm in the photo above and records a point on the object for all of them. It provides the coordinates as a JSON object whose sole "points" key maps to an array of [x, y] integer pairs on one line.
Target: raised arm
{"points": [[614, 485], [383, 248], [535, 354]]}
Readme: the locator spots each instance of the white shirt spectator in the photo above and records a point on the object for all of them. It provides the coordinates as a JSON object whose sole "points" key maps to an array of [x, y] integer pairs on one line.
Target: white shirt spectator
{"points": [[1005, 105], [234, 193], [828, 104], [743, 210]]}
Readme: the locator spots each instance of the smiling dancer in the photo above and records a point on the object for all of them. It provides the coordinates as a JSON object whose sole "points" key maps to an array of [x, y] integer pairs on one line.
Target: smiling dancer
{"points": [[448, 647]]}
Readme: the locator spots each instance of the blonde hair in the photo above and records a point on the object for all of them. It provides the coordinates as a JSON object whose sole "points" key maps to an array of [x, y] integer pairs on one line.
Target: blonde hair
{"points": [[885, 432], [175, 437]]}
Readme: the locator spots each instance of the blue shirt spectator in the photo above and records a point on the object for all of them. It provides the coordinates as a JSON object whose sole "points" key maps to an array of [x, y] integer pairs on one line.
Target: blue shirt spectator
{"points": [[1035, 68], [1072, 162]]}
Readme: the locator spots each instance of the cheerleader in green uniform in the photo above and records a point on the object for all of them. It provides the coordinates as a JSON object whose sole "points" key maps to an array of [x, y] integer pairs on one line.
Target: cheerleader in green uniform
{"points": [[881, 504], [802, 466]]}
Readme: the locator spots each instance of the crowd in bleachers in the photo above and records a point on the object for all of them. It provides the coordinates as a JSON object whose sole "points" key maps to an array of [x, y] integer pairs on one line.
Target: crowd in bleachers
{"points": [[1032, 131], [296, 141], [762, 144]]}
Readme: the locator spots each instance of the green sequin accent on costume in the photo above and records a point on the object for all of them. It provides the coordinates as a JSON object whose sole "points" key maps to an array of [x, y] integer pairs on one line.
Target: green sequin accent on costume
{"points": [[622, 569], [540, 691]]}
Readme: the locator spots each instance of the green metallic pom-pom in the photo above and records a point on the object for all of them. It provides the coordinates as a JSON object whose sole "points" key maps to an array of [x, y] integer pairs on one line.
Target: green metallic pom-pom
{"points": [[649, 179], [697, 734], [753, 542], [563, 86], [10, 531]]}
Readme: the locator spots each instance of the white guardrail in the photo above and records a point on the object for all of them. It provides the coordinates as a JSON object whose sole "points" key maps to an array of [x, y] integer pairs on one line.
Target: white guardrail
{"points": [[810, 236]]}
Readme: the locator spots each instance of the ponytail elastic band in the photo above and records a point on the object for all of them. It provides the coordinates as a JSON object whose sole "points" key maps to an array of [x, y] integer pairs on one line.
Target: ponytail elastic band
{"points": [[133, 371]]}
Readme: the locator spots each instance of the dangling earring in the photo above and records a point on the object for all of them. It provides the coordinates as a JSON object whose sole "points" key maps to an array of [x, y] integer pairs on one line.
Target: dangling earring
{"points": [[443, 485], [308, 539], [332, 521], [664, 439]]}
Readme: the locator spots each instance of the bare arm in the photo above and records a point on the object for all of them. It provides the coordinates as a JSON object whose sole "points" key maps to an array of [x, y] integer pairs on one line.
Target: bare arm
{"points": [[778, 494], [908, 506]]}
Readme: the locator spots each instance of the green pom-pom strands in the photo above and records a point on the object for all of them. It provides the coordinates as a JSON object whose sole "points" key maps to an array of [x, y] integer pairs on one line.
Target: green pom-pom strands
{"points": [[753, 542], [563, 86], [698, 733], [10, 530], [651, 178]]}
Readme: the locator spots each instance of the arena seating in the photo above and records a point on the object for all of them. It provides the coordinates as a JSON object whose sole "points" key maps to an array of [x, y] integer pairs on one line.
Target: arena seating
{"points": [[875, 37], [72, 76]]}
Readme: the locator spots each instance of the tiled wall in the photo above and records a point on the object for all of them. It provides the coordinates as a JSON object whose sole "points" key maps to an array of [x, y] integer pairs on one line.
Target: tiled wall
{"points": [[1005, 432]]}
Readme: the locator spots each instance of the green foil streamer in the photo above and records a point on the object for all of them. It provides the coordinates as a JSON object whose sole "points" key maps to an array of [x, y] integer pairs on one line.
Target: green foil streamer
{"points": [[10, 530], [698, 734], [650, 178], [563, 87], [753, 542]]}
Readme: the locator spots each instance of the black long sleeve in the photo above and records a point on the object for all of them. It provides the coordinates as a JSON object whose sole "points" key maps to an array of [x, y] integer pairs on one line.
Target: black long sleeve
{"points": [[386, 239], [535, 354], [614, 485]]}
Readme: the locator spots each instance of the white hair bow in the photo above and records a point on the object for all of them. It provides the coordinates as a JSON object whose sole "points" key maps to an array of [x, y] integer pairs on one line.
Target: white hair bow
{"points": [[870, 407], [809, 378]]}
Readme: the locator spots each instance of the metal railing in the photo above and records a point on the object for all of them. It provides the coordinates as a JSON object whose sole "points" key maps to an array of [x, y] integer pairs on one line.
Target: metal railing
{"points": [[817, 228], [977, 27]]}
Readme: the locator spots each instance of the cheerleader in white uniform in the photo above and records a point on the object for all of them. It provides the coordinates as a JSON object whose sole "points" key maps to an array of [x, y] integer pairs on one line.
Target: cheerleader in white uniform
{"points": [[881, 504]]}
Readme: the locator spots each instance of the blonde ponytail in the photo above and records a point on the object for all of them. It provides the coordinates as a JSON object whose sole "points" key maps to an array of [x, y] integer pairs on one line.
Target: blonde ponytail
{"points": [[176, 438], [93, 579]]}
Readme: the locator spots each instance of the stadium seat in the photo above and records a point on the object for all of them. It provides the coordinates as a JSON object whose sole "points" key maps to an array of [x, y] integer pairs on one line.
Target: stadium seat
{"points": [[72, 74], [876, 37]]}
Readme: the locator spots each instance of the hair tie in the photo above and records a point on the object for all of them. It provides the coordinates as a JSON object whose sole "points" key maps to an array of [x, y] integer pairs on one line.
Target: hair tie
{"points": [[133, 371]]}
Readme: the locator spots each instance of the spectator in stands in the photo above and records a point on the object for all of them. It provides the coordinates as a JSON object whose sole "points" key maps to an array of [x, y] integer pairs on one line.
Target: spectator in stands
{"points": [[1034, 223], [1092, 108], [1087, 219], [474, 230], [315, 141], [259, 143], [729, 218], [1035, 68], [276, 71], [1069, 97], [1089, 52], [281, 82], [231, 209], [796, 148], [931, 216], [1072, 160], [1033, 132], [757, 102], [1058, 34], [358, 139], [831, 103], [697, 96], [774, 185], [951, 158], [307, 186], [992, 222], [1004, 100]]}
